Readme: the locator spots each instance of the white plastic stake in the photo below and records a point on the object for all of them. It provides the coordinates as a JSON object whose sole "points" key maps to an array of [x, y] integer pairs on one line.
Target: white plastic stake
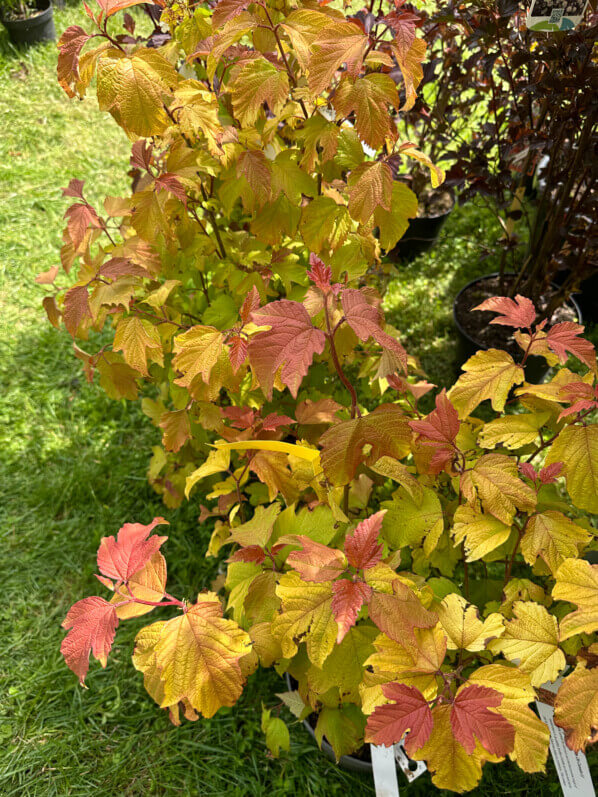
{"points": [[385, 770]]}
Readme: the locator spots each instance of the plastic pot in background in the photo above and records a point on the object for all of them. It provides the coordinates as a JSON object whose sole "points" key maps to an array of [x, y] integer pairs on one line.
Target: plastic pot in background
{"points": [[536, 368], [422, 233], [34, 29]]}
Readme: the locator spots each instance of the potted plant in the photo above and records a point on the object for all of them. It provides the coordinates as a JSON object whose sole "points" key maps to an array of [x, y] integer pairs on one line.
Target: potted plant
{"points": [[541, 116], [419, 578], [28, 21]]}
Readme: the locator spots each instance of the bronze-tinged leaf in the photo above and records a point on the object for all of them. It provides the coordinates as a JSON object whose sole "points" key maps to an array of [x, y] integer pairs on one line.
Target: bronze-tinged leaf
{"points": [[314, 561], [91, 625], [256, 82], [576, 707], [346, 445], [322, 411], [409, 712], [147, 584], [370, 188], [76, 309], [361, 546], [290, 345], [397, 615], [70, 45], [255, 168], [339, 43], [370, 98], [272, 469], [52, 311], [176, 429]]}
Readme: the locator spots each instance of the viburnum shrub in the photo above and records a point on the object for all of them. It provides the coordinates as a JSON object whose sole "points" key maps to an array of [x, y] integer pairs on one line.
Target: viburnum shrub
{"points": [[249, 121], [419, 577]]}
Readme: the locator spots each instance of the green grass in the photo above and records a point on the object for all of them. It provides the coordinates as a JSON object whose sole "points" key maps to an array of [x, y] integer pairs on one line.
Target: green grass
{"points": [[72, 469]]}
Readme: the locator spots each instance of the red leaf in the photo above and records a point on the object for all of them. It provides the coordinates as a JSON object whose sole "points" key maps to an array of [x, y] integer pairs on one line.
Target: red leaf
{"points": [[349, 597], [441, 425], [122, 267], [563, 338], [240, 417], [79, 218], [237, 352], [362, 547], [92, 623], [578, 406], [171, 183], [519, 312], [314, 562], [121, 557], [250, 305], [291, 343], [417, 389], [471, 717], [528, 470], [228, 9], [141, 154], [112, 6], [410, 712], [75, 187], [273, 421], [403, 26], [549, 474], [366, 320], [253, 553], [70, 45], [316, 412], [76, 308], [320, 274]]}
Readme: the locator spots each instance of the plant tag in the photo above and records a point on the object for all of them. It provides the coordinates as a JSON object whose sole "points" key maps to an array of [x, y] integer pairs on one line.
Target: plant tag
{"points": [[572, 768], [411, 769], [385, 770], [555, 14]]}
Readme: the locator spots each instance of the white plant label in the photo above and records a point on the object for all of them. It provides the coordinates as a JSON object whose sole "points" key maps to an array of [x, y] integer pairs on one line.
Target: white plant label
{"points": [[551, 15], [385, 770], [572, 768]]}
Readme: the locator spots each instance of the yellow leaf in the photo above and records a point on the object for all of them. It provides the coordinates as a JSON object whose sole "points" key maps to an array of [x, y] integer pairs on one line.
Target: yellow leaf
{"points": [[393, 224], [272, 469], [495, 480], [144, 659], [531, 734], [343, 669], [451, 766], [198, 653], [577, 582], [133, 89], [258, 530], [138, 339], [488, 375], [532, 640], [414, 663], [216, 462], [513, 431], [176, 429], [196, 353], [552, 536], [306, 613], [463, 626], [147, 584], [481, 532], [303, 452], [436, 173], [576, 707], [577, 448], [324, 224]]}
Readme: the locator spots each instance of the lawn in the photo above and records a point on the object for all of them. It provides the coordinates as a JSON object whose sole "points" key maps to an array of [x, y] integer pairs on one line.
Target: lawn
{"points": [[72, 469]]}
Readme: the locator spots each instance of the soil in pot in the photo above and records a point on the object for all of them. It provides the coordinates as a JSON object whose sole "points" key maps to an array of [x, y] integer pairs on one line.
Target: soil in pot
{"points": [[37, 27], [435, 206], [476, 331]]}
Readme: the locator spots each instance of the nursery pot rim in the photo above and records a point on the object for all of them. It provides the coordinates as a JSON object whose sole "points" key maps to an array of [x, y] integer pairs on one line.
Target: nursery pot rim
{"points": [[44, 9], [439, 189], [472, 340]]}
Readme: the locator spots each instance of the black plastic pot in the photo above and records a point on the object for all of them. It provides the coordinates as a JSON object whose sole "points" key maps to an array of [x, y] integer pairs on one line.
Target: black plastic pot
{"points": [[422, 233], [347, 762], [34, 29], [586, 297], [536, 368]]}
